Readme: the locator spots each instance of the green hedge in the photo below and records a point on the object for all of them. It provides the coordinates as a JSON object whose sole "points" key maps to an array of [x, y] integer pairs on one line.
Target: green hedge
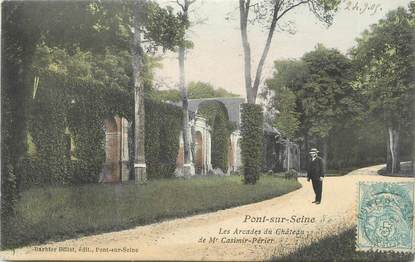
{"points": [[220, 142], [162, 138], [86, 116], [217, 117], [251, 142], [47, 123]]}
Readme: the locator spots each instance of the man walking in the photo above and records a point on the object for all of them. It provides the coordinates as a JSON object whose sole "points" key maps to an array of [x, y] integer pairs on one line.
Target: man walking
{"points": [[315, 173]]}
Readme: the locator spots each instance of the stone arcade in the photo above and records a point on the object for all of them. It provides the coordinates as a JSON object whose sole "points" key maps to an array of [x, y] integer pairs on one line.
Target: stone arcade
{"points": [[278, 154]]}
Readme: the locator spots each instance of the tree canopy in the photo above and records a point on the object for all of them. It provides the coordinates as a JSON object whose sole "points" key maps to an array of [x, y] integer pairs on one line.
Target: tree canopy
{"points": [[385, 61], [313, 94], [195, 90]]}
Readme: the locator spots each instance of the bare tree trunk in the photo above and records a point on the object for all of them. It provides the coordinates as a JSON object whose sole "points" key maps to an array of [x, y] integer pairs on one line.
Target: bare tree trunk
{"points": [[393, 165], [243, 18], [278, 12], [265, 51], [139, 114], [187, 166]]}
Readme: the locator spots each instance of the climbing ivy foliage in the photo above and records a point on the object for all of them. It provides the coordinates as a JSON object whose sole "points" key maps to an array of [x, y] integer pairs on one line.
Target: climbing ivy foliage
{"points": [[85, 41], [74, 96], [162, 134], [47, 123], [217, 117], [252, 121]]}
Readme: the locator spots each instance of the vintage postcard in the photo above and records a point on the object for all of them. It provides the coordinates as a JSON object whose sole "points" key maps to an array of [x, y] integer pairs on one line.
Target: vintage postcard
{"points": [[218, 130]]}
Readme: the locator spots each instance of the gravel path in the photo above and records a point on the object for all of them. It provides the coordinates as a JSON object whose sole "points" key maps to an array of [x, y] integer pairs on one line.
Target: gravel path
{"points": [[292, 221]]}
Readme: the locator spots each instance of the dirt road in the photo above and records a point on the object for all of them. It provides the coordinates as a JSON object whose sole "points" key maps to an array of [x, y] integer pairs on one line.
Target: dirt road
{"points": [[251, 232]]}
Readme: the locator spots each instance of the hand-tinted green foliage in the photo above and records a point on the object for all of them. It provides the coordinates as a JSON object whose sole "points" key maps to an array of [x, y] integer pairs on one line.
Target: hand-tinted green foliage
{"points": [[324, 106], [47, 124], [95, 26], [284, 101], [86, 116], [217, 117], [384, 59], [251, 141], [206, 90], [195, 90], [327, 95], [162, 134]]}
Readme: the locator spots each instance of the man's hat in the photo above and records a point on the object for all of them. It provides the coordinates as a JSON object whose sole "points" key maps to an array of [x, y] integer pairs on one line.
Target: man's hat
{"points": [[313, 150]]}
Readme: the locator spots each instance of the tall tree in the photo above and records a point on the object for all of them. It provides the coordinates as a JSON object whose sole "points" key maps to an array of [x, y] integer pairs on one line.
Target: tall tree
{"points": [[321, 84], [146, 25], [24, 25], [384, 58], [139, 114], [184, 15], [272, 12]]}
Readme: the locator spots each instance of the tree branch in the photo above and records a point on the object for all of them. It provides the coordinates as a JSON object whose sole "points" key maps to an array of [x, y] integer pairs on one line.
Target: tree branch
{"points": [[182, 6], [291, 7]]}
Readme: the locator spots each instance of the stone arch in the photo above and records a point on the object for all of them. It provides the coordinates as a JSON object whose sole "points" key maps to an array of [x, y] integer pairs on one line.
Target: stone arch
{"points": [[115, 168]]}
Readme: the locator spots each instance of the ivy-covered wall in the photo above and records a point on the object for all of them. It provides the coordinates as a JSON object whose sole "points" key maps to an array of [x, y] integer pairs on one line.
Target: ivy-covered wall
{"points": [[86, 113], [63, 110], [47, 124], [251, 142], [217, 117], [162, 138]]}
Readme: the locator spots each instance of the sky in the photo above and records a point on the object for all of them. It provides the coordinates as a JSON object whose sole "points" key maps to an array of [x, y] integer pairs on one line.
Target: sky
{"points": [[217, 56]]}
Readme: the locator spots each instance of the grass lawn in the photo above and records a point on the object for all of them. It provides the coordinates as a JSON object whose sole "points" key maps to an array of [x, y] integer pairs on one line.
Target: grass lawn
{"points": [[341, 248], [56, 213]]}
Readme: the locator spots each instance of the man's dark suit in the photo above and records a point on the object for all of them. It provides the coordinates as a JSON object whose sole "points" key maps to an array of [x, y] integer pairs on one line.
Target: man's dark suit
{"points": [[315, 170]]}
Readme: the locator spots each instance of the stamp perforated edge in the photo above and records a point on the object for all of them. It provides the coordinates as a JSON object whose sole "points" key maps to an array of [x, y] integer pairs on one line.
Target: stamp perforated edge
{"points": [[379, 249]]}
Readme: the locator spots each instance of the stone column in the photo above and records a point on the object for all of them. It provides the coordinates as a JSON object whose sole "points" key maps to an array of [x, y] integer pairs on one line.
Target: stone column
{"points": [[124, 150]]}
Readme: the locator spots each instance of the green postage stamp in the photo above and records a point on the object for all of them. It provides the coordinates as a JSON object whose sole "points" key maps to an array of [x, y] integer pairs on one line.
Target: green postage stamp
{"points": [[385, 217]]}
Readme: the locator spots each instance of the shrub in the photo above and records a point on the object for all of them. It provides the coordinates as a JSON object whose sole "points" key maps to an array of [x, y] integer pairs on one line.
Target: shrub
{"points": [[291, 174], [251, 142], [220, 141]]}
